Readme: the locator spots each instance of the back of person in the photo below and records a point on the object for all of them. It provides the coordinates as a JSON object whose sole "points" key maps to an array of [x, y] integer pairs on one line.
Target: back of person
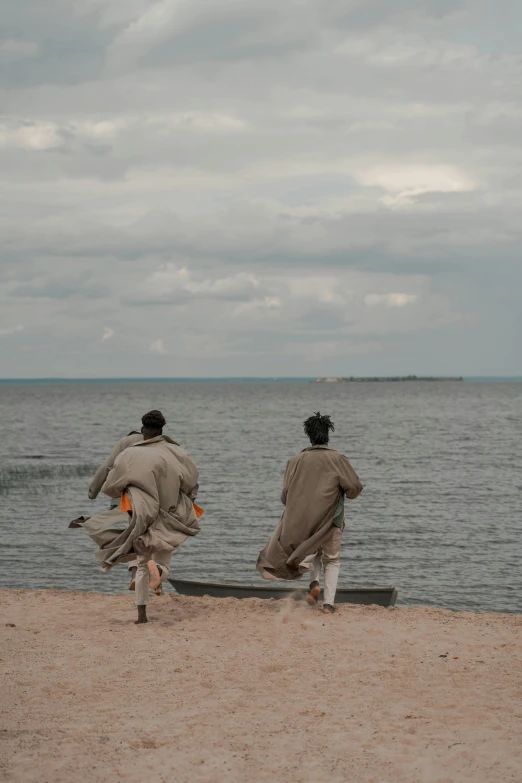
{"points": [[163, 470], [315, 471], [309, 533], [182, 463], [156, 482]]}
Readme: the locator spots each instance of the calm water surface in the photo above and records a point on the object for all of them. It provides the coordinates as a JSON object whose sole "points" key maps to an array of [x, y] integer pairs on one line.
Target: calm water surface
{"points": [[440, 516]]}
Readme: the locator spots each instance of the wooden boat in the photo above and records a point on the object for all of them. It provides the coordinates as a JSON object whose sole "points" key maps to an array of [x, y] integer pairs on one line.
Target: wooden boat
{"points": [[380, 596]]}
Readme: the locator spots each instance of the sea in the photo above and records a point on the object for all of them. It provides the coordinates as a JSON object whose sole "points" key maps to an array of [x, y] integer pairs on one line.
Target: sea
{"points": [[440, 516]]}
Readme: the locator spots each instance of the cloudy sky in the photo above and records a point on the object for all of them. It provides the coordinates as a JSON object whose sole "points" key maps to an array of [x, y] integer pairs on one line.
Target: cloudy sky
{"points": [[257, 187]]}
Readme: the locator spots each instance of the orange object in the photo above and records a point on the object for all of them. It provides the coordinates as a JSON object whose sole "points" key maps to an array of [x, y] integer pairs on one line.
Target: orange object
{"points": [[125, 504], [199, 511]]}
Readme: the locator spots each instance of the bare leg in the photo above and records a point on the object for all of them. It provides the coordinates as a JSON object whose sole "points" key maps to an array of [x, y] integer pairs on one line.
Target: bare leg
{"points": [[151, 572], [132, 585], [155, 577], [141, 595], [142, 615]]}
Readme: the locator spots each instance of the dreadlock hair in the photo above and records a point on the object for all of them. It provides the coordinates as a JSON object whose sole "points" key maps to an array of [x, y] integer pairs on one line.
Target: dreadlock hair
{"points": [[133, 432], [317, 428], [153, 421]]}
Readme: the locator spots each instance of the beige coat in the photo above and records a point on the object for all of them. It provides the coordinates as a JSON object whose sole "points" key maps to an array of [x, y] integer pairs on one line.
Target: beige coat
{"points": [[315, 480], [103, 471], [161, 480]]}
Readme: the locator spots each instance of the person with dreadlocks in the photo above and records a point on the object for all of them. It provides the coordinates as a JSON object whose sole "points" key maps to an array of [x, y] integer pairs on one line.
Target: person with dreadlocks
{"points": [[309, 533], [156, 482]]}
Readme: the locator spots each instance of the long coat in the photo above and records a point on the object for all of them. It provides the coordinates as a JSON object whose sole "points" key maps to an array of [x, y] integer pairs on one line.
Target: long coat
{"points": [[314, 483], [161, 480]]}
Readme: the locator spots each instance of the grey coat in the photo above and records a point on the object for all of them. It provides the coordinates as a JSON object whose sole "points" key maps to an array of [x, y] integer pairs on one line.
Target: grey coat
{"points": [[314, 483], [161, 480]]}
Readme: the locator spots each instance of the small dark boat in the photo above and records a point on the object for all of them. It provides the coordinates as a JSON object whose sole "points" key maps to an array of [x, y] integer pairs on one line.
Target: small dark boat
{"points": [[380, 596]]}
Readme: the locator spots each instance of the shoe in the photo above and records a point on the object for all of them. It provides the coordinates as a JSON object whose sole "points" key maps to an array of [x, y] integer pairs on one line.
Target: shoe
{"points": [[328, 609], [313, 594]]}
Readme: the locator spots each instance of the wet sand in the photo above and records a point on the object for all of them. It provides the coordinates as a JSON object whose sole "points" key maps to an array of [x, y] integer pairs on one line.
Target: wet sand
{"points": [[255, 692]]}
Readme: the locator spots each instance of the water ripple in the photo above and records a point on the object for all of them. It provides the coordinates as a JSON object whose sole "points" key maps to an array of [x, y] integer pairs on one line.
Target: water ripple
{"points": [[440, 516]]}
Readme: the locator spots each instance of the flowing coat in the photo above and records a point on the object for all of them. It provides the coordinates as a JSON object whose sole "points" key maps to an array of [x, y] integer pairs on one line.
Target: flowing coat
{"points": [[161, 480], [315, 481]]}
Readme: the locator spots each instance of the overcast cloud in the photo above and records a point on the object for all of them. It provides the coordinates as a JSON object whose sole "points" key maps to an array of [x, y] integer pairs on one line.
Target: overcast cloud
{"points": [[240, 187]]}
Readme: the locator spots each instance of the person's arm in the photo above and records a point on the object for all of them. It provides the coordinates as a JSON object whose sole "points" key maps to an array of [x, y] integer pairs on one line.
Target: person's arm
{"points": [[348, 479], [118, 478], [103, 471]]}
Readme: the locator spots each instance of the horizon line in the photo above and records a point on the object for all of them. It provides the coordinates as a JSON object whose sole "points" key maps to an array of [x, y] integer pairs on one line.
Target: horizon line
{"points": [[117, 378]]}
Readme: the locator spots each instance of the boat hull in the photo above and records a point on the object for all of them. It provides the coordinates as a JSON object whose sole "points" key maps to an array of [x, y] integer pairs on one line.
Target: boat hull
{"points": [[380, 596]]}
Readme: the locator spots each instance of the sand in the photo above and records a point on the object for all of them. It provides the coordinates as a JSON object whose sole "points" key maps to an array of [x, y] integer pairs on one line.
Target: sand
{"points": [[251, 691]]}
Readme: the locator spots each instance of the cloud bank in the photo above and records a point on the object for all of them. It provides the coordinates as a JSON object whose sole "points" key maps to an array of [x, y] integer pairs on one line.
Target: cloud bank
{"points": [[243, 188]]}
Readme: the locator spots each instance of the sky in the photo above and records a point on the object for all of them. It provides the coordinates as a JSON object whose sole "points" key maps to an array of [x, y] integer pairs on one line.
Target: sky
{"points": [[258, 188]]}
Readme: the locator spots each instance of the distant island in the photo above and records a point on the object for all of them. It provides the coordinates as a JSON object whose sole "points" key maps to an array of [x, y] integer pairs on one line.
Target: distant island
{"points": [[397, 379]]}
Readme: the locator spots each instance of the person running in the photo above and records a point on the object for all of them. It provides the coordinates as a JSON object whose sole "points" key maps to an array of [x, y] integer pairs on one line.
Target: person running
{"points": [[309, 533], [157, 482], [100, 477]]}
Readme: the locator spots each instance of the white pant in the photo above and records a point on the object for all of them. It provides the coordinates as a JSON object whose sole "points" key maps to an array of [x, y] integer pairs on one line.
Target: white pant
{"points": [[162, 559], [115, 503], [329, 555]]}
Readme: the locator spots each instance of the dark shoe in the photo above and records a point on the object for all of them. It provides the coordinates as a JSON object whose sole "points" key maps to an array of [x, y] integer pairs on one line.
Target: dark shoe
{"points": [[313, 593], [78, 522], [328, 609]]}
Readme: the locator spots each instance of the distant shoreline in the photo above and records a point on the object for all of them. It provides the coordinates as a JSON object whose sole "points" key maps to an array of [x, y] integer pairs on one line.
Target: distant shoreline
{"points": [[386, 379], [268, 379]]}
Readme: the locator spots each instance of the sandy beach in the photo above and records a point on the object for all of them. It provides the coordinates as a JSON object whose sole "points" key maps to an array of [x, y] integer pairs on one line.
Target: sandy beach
{"points": [[225, 690]]}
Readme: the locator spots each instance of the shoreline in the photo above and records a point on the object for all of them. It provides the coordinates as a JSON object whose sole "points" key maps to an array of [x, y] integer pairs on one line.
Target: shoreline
{"points": [[227, 690], [391, 379], [123, 592]]}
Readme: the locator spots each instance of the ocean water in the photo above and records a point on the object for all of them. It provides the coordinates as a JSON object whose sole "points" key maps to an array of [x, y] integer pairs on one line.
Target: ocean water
{"points": [[440, 516]]}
